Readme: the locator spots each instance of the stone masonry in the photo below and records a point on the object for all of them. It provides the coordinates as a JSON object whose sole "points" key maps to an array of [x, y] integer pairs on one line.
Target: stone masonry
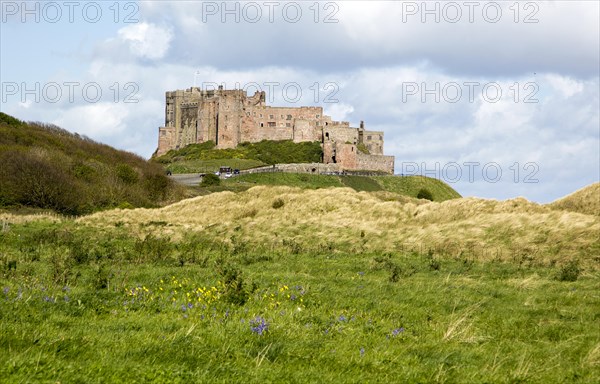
{"points": [[231, 117]]}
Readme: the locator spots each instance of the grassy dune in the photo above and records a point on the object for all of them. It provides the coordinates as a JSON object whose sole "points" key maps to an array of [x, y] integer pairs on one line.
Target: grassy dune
{"points": [[586, 200], [512, 230]]}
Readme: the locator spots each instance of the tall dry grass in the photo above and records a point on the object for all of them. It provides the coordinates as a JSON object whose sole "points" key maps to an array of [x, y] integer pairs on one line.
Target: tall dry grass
{"points": [[586, 200], [512, 230]]}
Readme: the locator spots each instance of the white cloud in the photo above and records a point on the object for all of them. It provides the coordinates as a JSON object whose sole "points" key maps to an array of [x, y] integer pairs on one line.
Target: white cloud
{"points": [[99, 121], [147, 40]]}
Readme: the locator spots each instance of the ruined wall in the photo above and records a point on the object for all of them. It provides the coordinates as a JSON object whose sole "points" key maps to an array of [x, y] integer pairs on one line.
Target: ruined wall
{"points": [[166, 140], [340, 134], [374, 163], [373, 140], [316, 168]]}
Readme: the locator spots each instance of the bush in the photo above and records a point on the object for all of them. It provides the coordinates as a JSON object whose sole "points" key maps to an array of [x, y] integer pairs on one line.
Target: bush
{"points": [[424, 194], [569, 272], [210, 179], [47, 167], [127, 174], [278, 203]]}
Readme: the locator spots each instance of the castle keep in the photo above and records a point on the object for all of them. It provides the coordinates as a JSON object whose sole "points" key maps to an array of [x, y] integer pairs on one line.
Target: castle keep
{"points": [[231, 117]]}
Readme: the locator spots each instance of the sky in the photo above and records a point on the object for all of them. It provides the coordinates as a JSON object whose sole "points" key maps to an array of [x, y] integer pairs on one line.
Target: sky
{"points": [[498, 99]]}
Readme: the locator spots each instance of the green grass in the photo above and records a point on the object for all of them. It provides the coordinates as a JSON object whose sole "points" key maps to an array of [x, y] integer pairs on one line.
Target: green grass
{"points": [[302, 180], [361, 183], [402, 185], [265, 151], [86, 304], [410, 186]]}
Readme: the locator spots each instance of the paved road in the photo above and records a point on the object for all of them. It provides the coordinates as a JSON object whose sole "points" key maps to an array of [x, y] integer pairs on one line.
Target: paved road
{"points": [[186, 178]]}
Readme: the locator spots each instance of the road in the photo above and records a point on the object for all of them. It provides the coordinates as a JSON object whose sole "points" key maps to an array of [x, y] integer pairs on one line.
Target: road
{"points": [[186, 178]]}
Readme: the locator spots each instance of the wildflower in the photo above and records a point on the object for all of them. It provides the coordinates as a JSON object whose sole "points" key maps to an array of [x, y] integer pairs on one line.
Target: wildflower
{"points": [[397, 331], [190, 305], [48, 299], [259, 325], [5, 290], [293, 297], [362, 351], [342, 318]]}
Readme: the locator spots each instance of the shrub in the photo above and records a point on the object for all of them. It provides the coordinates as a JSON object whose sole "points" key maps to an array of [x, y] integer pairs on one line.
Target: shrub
{"points": [[127, 174], [210, 179], [278, 203], [424, 194], [569, 272]]}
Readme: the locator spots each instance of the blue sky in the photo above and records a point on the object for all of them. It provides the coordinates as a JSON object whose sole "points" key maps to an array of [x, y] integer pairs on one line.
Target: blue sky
{"points": [[500, 99]]}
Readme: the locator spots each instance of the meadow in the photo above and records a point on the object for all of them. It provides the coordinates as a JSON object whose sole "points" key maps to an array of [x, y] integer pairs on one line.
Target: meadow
{"points": [[281, 284]]}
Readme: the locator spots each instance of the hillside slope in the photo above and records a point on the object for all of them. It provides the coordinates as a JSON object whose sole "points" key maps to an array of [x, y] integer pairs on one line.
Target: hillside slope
{"points": [[586, 200], [47, 167], [402, 185], [343, 219]]}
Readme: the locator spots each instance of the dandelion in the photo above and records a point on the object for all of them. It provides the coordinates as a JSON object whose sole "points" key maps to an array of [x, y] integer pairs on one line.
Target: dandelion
{"points": [[259, 325]]}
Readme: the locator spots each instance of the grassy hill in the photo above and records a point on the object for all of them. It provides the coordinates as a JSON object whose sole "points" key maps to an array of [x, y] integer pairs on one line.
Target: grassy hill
{"points": [[401, 185], [204, 157], [586, 200], [47, 167]]}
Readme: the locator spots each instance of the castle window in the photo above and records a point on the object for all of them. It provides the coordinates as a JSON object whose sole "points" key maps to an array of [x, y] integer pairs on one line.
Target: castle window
{"points": [[368, 137], [289, 117], [272, 124], [262, 125], [288, 125], [327, 135], [282, 116], [261, 115], [248, 114], [318, 123], [317, 116], [270, 116]]}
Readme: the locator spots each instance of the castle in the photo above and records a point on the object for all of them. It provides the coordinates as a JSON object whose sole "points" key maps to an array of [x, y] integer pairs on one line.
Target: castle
{"points": [[231, 117]]}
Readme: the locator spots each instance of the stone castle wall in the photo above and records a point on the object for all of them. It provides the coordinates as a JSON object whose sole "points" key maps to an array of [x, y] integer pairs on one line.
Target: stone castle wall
{"points": [[231, 117]]}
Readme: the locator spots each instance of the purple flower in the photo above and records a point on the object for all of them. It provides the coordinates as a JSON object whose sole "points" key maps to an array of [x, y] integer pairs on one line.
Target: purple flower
{"points": [[362, 351], [190, 305], [259, 325], [293, 297], [397, 331], [49, 299], [5, 290], [342, 318]]}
